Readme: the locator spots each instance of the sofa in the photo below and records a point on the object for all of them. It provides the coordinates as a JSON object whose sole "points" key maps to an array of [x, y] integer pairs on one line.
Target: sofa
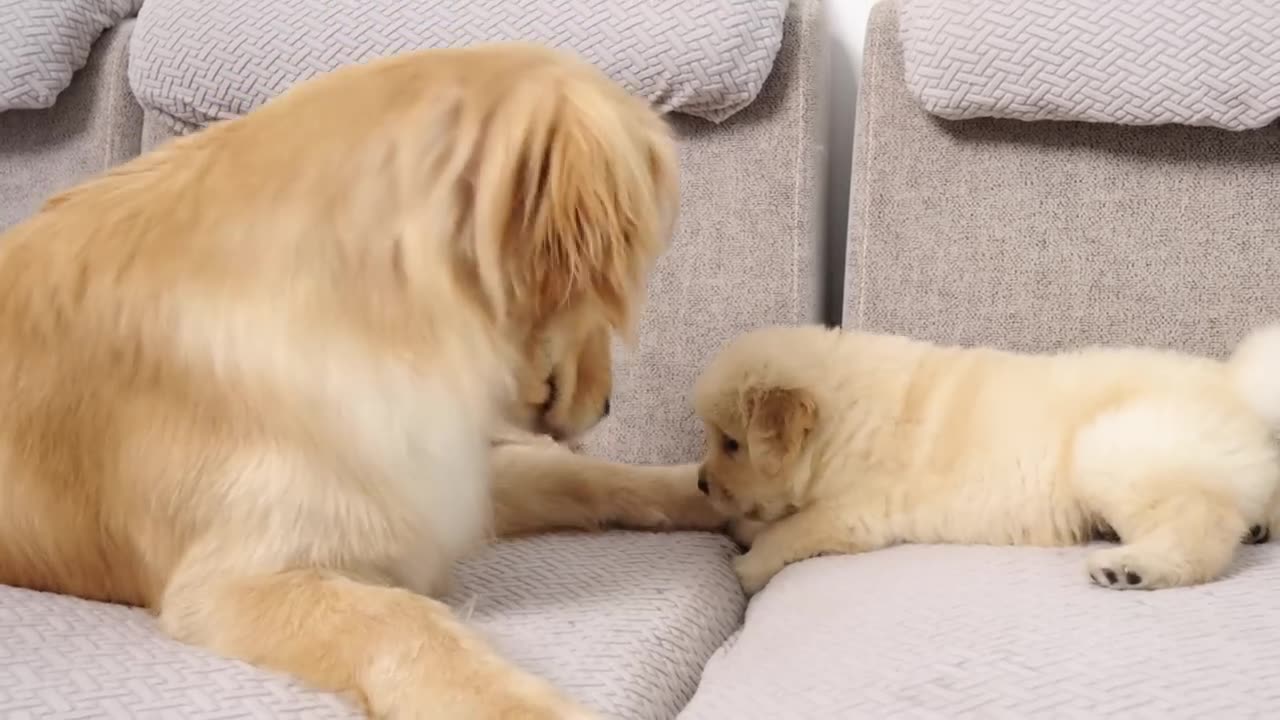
{"points": [[1031, 233], [622, 621]]}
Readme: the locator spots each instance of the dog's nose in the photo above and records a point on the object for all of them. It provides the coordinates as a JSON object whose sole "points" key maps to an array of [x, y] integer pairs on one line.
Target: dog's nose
{"points": [[606, 407], [702, 481]]}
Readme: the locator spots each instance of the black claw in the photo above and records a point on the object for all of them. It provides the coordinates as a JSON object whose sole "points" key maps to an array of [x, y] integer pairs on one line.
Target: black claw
{"points": [[1110, 575], [1258, 534], [1132, 577]]}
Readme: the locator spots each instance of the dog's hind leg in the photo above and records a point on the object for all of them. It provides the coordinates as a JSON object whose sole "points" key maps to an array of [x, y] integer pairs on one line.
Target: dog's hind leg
{"points": [[1181, 483], [1174, 538], [397, 653], [543, 487]]}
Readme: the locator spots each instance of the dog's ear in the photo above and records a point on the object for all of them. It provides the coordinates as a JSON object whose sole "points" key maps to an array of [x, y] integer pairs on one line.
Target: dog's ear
{"points": [[778, 422], [574, 196]]}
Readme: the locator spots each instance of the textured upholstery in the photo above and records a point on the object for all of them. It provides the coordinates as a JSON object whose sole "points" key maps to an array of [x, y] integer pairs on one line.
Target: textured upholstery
{"points": [[1049, 235], [1137, 62], [195, 61], [934, 632], [95, 124], [43, 42], [624, 622]]}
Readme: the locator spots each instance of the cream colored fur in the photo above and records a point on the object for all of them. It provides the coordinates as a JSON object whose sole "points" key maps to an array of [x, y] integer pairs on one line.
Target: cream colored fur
{"points": [[272, 380], [824, 441]]}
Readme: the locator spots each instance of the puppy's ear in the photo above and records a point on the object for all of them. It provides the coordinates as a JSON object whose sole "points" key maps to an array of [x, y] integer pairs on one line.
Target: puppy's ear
{"points": [[778, 422], [574, 196]]}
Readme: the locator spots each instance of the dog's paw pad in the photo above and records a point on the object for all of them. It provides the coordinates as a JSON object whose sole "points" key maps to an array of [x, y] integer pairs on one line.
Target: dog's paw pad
{"points": [[1122, 568], [1257, 535], [1122, 578]]}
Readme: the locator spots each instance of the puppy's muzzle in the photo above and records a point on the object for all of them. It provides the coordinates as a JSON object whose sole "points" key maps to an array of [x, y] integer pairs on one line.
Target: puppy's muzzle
{"points": [[702, 481]]}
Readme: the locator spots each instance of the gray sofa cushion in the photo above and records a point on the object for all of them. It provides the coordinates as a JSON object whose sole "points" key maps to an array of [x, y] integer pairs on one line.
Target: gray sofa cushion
{"points": [[196, 61], [622, 621], [990, 632], [95, 124], [43, 42], [1047, 236], [1136, 62]]}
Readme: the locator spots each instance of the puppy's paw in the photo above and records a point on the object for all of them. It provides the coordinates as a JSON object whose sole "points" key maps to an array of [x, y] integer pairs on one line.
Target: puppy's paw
{"points": [[1125, 568], [754, 572], [1257, 535], [744, 531]]}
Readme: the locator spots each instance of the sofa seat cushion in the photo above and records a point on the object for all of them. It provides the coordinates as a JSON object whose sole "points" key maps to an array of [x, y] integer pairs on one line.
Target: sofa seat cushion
{"points": [[43, 43], [197, 62], [955, 632], [622, 621]]}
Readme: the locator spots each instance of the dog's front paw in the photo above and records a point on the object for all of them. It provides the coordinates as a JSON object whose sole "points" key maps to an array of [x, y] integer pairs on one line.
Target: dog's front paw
{"points": [[744, 531], [754, 572]]}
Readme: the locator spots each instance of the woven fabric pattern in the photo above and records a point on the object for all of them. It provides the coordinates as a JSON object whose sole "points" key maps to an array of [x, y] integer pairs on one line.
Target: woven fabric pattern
{"points": [[1134, 62], [991, 633], [43, 43], [622, 621], [197, 62]]}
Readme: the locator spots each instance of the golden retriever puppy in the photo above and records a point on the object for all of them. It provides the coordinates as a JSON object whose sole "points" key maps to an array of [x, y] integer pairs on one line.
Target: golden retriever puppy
{"points": [[252, 379], [825, 441]]}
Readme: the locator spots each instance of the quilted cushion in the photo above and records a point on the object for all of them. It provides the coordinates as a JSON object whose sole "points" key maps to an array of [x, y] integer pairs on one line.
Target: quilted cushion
{"points": [[622, 621], [1135, 62], [43, 42], [196, 61], [984, 632]]}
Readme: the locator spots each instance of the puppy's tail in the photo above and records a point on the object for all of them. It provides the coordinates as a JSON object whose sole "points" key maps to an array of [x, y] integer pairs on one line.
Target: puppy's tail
{"points": [[1255, 370]]}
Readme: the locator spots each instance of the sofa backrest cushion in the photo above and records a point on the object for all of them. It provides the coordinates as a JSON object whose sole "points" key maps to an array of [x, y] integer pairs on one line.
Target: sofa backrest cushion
{"points": [[197, 62], [43, 43], [1134, 62], [1053, 235]]}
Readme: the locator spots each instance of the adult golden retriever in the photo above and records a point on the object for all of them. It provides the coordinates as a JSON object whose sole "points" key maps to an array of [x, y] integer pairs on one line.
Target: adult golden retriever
{"points": [[254, 380]]}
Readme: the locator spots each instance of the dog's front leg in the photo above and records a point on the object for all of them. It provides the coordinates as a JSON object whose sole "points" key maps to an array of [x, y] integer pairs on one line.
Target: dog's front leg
{"points": [[542, 487], [400, 654], [810, 532]]}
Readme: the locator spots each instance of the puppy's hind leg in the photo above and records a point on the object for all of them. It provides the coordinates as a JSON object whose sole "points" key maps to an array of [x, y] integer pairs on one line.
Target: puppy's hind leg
{"points": [[1181, 484], [1173, 538]]}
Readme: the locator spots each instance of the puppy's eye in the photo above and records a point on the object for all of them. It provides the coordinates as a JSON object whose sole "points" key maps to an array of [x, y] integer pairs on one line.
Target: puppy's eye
{"points": [[729, 445]]}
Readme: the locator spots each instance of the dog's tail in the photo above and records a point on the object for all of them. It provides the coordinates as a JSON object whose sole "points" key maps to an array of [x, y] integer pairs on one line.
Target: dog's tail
{"points": [[1255, 370]]}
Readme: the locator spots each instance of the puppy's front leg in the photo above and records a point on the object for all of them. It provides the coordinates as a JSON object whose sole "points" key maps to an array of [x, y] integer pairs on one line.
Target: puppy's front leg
{"points": [[542, 487], [812, 531], [400, 654]]}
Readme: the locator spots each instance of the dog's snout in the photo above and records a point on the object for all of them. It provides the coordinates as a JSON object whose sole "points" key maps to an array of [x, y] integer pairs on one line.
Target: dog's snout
{"points": [[702, 481]]}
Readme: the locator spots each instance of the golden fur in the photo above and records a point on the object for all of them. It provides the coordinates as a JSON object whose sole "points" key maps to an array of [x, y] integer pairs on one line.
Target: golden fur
{"points": [[823, 441], [250, 380]]}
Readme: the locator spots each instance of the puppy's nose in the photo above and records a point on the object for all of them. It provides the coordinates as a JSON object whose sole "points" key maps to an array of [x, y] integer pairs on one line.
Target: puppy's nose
{"points": [[606, 407], [702, 481]]}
